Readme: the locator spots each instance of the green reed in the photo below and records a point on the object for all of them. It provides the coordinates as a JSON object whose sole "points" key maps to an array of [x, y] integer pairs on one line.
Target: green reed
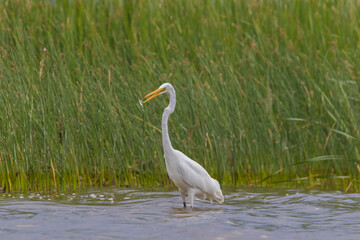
{"points": [[267, 91]]}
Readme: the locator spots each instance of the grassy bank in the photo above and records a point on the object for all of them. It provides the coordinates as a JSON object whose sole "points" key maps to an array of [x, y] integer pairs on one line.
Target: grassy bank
{"points": [[267, 91]]}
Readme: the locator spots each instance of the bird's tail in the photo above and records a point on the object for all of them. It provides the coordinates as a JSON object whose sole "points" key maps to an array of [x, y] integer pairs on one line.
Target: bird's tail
{"points": [[219, 196]]}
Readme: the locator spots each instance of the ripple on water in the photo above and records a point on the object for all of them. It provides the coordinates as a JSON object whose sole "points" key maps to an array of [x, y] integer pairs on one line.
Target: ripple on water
{"points": [[113, 213]]}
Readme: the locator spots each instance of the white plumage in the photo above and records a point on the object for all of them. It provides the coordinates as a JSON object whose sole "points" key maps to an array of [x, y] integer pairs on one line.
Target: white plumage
{"points": [[189, 176]]}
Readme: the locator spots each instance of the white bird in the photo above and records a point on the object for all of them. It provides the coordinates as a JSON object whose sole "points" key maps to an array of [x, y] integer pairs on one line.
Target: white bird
{"points": [[189, 176]]}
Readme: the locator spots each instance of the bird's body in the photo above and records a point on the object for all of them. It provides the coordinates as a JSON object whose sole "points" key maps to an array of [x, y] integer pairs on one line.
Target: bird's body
{"points": [[189, 176]]}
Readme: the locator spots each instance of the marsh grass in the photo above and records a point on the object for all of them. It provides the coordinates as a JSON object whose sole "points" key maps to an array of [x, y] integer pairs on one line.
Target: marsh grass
{"points": [[267, 91]]}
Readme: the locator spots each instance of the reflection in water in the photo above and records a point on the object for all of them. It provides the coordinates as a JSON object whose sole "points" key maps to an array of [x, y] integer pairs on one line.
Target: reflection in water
{"points": [[110, 213]]}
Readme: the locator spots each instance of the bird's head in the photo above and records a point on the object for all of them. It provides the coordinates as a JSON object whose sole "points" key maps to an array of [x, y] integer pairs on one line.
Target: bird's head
{"points": [[166, 87]]}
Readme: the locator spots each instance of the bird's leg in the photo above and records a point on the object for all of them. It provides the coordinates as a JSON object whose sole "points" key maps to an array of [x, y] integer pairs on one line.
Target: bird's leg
{"points": [[183, 197], [191, 194]]}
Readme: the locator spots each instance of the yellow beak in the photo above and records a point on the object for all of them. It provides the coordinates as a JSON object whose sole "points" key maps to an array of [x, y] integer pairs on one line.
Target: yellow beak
{"points": [[153, 94]]}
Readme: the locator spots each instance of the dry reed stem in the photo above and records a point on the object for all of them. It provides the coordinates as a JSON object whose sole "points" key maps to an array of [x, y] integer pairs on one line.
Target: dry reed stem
{"points": [[328, 136], [53, 172], [42, 63], [348, 187]]}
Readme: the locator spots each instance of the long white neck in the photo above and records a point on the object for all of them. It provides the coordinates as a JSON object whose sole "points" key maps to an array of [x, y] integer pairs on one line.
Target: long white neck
{"points": [[169, 110]]}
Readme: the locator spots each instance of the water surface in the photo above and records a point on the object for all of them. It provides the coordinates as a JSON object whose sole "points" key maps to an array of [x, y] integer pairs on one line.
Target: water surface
{"points": [[112, 213]]}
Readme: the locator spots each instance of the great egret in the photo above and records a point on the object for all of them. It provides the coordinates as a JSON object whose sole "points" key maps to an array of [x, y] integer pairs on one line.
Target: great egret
{"points": [[189, 176]]}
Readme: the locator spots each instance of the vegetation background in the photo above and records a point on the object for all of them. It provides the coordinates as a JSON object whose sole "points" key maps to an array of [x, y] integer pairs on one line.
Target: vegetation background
{"points": [[267, 91]]}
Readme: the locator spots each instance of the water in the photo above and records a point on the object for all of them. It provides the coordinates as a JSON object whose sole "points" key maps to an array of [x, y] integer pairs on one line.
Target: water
{"points": [[113, 213]]}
